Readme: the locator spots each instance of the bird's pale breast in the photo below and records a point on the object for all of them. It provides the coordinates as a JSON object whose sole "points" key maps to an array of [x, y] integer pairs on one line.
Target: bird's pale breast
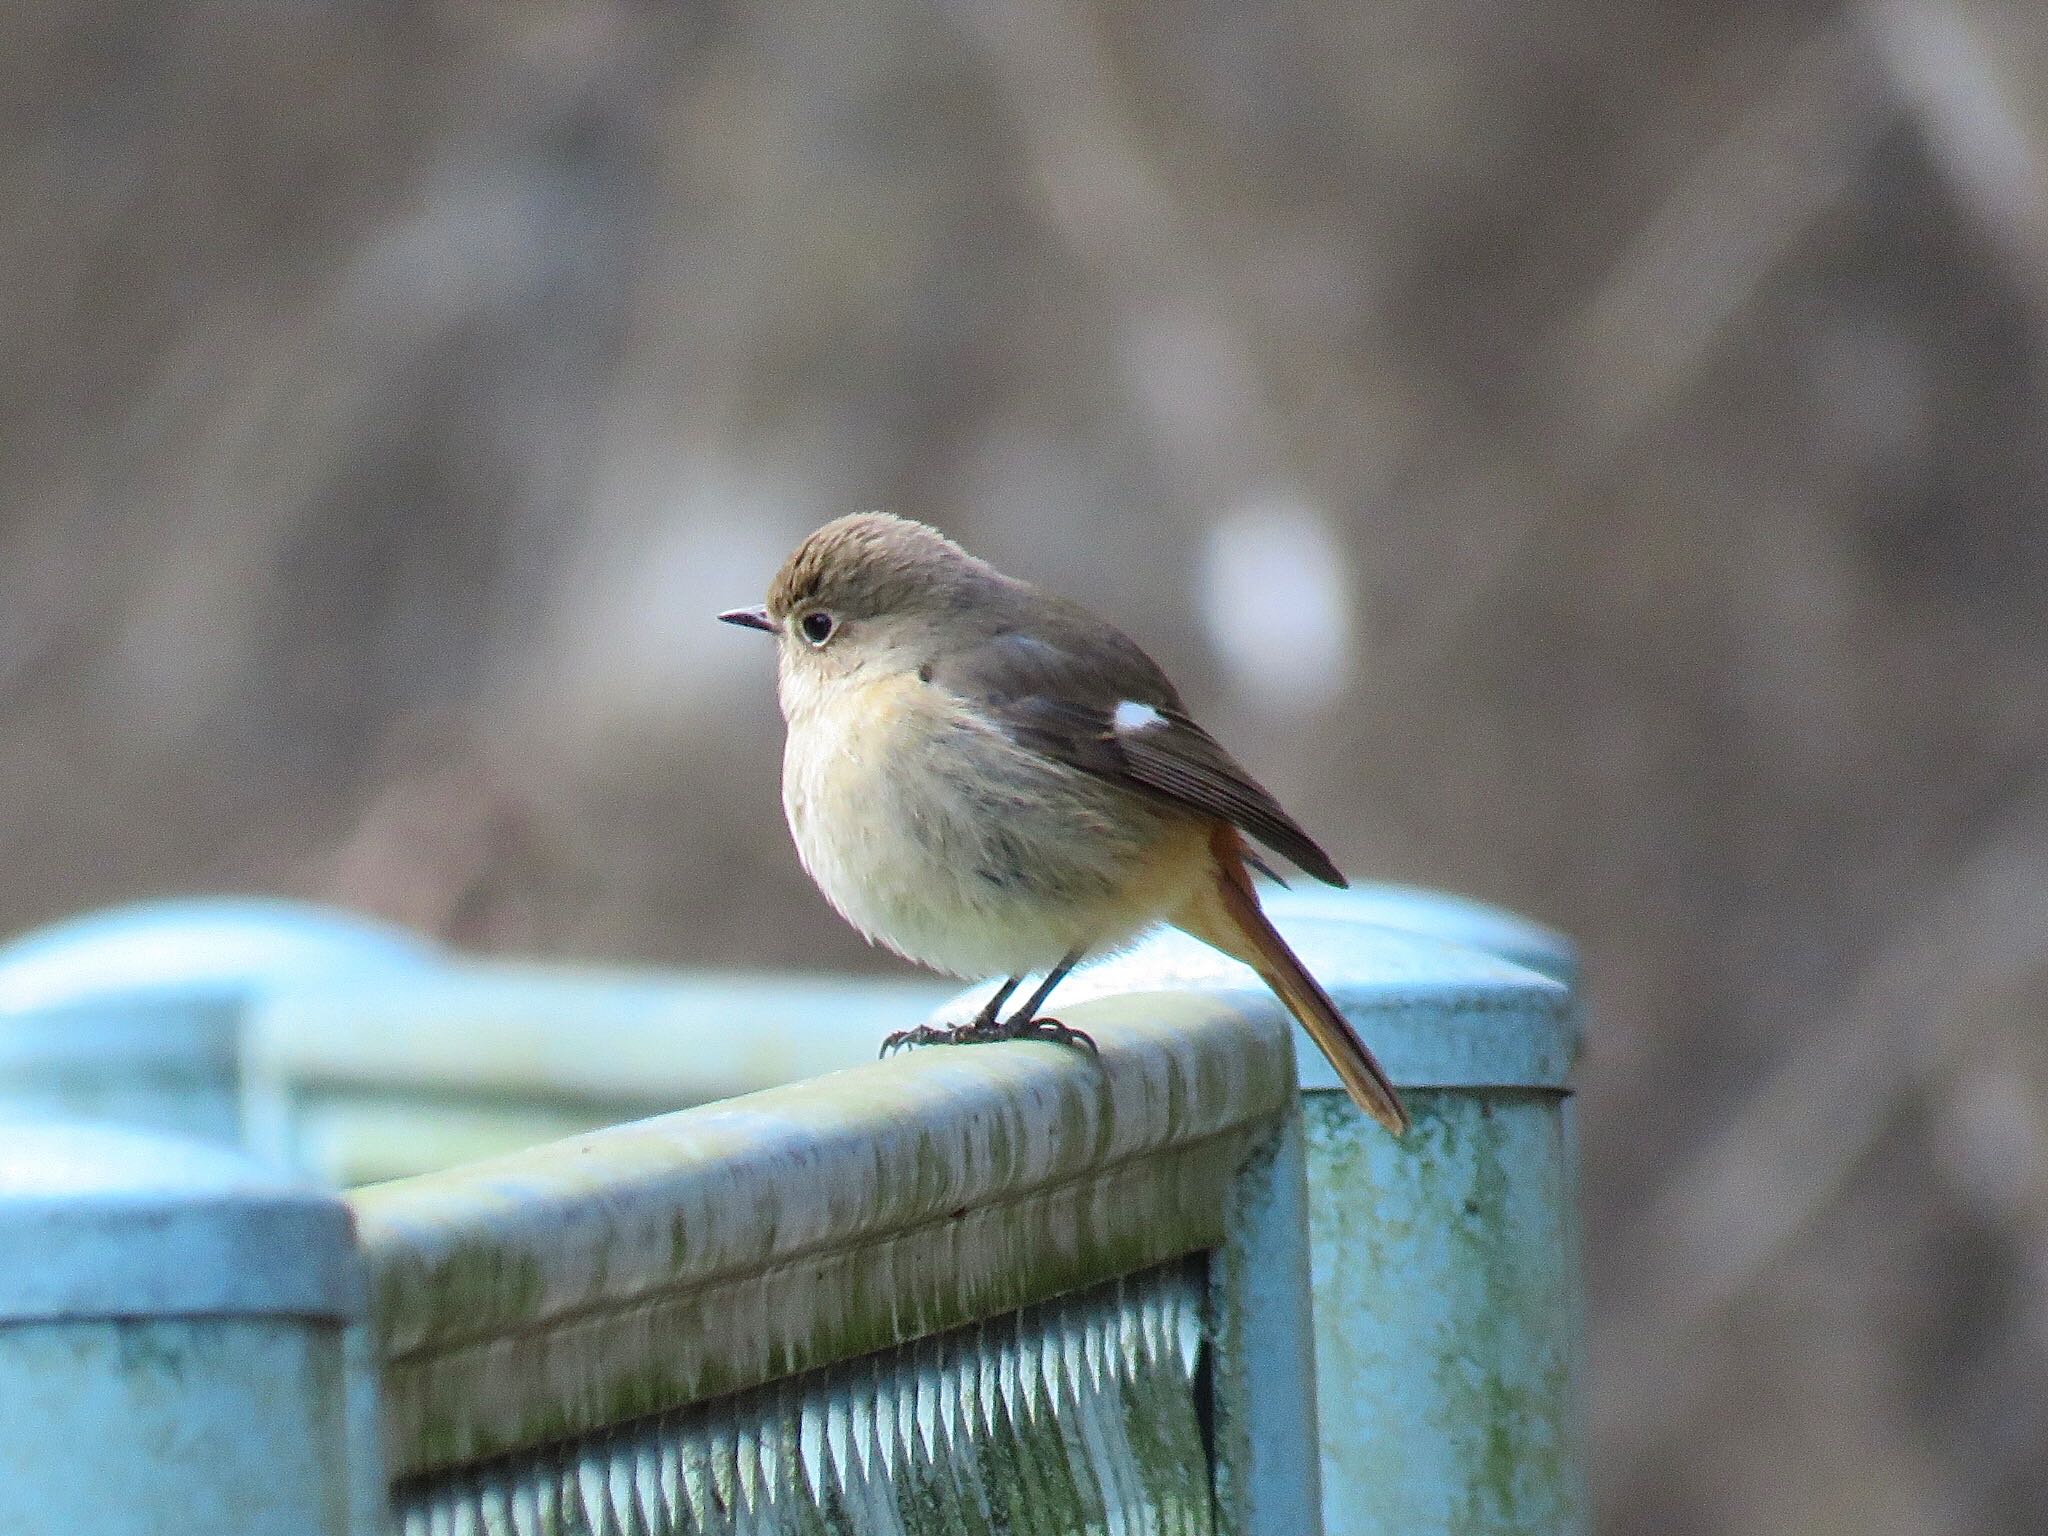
{"points": [[935, 834]]}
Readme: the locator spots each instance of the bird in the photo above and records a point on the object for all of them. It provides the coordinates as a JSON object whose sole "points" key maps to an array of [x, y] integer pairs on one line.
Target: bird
{"points": [[989, 780]]}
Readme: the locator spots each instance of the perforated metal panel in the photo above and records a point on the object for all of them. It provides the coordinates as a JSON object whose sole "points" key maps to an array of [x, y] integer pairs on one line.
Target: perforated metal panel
{"points": [[1082, 1414]]}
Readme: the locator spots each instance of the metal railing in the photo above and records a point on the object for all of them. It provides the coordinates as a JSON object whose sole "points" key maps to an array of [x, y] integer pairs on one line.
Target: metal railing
{"points": [[922, 1290], [992, 1285]]}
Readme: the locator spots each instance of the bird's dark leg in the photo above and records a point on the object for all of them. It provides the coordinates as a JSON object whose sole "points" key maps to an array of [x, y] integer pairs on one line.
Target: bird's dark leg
{"points": [[987, 1017], [983, 1027], [1025, 1024]]}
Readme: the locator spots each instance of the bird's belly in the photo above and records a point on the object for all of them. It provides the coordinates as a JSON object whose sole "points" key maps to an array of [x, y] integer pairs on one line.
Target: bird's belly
{"points": [[897, 897], [943, 840]]}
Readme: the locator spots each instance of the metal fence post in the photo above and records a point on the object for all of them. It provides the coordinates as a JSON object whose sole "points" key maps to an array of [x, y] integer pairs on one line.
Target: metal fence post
{"points": [[136, 1015], [1264, 1389], [172, 1354], [1450, 1335], [1445, 1267], [1441, 915]]}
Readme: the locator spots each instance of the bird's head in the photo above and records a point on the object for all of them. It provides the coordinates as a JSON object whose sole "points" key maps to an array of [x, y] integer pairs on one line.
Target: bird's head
{"points": [[870, 592]]}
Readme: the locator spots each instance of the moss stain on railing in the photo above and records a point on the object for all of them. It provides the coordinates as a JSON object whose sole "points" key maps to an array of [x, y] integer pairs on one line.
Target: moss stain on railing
{"points": [[1476, 1294], [631, 1290], [611, 1276]]}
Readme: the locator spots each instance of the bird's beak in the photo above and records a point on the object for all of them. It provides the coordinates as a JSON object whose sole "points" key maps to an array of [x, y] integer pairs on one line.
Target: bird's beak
{"points": [[749, 618]]}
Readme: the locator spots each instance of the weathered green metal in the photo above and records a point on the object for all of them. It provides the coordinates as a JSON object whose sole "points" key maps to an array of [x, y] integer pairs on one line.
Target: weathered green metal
{"points": [[101, 1221], [1266, 1469], [1449, 1303], [196, 944], [1450, 1337], [1078, 1414], [356, 1051], [173, 1351], [171, 1064], [639, 1269], [367, 1078], [1441, 915], [1441, 1015], [838, 1228], [1449, 1340], [135, 1015]]}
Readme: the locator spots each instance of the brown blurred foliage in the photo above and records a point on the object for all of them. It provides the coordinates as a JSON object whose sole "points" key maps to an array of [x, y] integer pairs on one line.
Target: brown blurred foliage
{"points": [[389, 394]]}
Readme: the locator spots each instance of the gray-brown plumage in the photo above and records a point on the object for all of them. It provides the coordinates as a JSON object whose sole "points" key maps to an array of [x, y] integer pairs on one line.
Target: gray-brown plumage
{"points": [[992, 781]]}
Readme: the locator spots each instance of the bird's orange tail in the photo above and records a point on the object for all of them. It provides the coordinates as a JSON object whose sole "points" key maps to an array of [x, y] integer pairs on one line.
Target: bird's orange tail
{"points": [[1225, 914]]}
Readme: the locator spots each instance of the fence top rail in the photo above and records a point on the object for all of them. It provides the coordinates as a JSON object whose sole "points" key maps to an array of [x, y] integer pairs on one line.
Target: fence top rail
{"points": [[523, 1030], [1438, 1014], [635, 1269]]}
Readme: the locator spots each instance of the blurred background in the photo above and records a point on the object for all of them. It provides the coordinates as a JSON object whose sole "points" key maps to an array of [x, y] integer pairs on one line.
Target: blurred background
{"points": [[1590, 456]]}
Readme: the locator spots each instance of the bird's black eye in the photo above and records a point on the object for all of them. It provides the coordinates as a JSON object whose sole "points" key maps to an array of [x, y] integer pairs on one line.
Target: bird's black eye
{"points": [[817, 626]]}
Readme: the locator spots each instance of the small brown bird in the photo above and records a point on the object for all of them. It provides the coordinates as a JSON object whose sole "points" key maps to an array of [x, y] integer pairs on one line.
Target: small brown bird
{"points": [[993, 782]]}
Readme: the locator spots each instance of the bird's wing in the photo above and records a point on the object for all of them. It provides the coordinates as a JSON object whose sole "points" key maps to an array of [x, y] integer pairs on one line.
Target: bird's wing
{"points": [[1082, 693]]}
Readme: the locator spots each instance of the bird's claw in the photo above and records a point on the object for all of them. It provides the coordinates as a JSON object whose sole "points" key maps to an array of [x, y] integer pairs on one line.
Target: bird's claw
{"points": [[923, 1034], [1054, 1031], [978, 1032], [985, 1031]]}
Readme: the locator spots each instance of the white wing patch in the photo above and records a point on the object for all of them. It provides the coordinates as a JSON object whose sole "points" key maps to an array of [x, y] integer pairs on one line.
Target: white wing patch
{"points": [[1131, 717]]}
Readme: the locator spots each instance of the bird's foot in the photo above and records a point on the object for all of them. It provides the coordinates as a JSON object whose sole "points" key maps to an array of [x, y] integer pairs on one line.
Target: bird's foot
{"points": [[984, 1031], [1045, 1029], [981, 1028], [923, 1034]]}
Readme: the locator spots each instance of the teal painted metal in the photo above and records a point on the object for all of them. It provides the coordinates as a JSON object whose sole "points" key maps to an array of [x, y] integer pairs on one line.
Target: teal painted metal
{"points": [[206, 944], [1478, 1213], [1078, 1414], [378, 1077], [172, 1342], [591, 1304], [1267, 1473], [354, 1051], [104, 1221], [135, 1016], [1449, 1295], [1436, 915], [169, 1064], [1442, 1015], [1447, 1328], [1449, 1337]]}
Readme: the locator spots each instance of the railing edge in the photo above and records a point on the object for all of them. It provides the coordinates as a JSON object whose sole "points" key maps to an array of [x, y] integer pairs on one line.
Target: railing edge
{"points": [[802, 1225]]}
